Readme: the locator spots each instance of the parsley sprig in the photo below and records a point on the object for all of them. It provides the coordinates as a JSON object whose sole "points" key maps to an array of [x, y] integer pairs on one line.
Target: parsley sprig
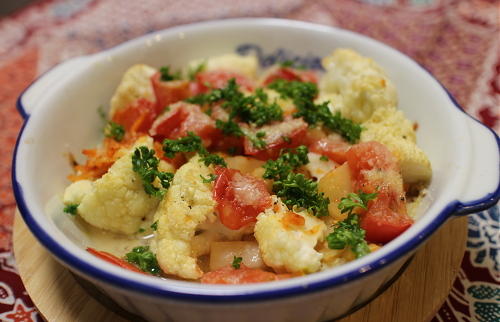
{"points": [[288, 161], [192, 143], [302, 94], [297, 190], [211, 177], [143, 258], [166, 75], [255, 110], [111, 129], [353, 200], [71, 208], [145, 164], [114, 130], [193, 71], [294, 188], [348, 232], [252, 109], [237, 262]]}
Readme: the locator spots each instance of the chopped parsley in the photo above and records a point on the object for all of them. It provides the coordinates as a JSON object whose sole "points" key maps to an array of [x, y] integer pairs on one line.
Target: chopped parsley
{"points": [[287, 63], [229, 127], [294, 188], [211, 177], [141, 230], [111, 129], [143, 258], [348, 232], [166, 75], [257, 140], [237, 262], [302, 94], [192, 143], [145, 164], [323, 158], [297, 190], [252, 109], [285, 163], [71, 208], [114, 130], [195, 70], [353, 200], [154, 225], [189, 143]]}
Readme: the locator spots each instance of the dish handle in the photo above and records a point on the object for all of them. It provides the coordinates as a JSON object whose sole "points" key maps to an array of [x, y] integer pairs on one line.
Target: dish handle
{"points": [[482, 190], [29, 98]]}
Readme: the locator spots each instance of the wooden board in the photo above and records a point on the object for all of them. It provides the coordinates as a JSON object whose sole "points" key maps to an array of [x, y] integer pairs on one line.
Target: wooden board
{"points": [[415, 296]]}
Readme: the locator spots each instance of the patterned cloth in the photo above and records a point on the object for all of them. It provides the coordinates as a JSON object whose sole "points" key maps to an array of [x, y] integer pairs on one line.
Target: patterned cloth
{"points": [[457, 40]]}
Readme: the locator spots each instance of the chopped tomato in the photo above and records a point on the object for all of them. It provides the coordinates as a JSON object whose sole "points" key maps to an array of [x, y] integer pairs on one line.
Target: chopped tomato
{"points": [[287, 134], [169, 92], [368, 156], [375, 169], [334, 149], [242, 275], [218, 79], [240, 197], [110, 258], [291, 74], [137, 117], [385, 218], [182, 118]]}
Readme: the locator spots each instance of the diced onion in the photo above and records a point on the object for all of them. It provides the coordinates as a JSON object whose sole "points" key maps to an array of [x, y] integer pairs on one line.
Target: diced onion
{"points": [[223, 253]]}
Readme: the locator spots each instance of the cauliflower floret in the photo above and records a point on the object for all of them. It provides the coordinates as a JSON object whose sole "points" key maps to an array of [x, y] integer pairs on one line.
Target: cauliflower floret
{"points": [[391, 128], [246, 65], [287, 239], [362, 83], [187, 204], [76, 191], [117, 201], [135, 84]]}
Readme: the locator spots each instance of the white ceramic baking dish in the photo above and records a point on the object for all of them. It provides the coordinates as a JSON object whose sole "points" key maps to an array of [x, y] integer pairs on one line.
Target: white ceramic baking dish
{"points": [[60, 117]]}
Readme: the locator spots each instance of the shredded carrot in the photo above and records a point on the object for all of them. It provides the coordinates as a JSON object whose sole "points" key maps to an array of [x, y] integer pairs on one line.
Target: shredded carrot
{"points": [[101, 159]]}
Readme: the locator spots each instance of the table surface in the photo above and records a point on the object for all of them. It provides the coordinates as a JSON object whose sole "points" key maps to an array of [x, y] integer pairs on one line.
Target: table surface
{"points": [[431, 272], [457, 41]]}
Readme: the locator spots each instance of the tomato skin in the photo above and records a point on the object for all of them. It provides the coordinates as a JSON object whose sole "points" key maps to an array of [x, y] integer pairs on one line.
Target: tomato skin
{"points": [[181, 119], [110, 258], [242, 275], [293, 129], [375, 169], [240, 197], [219, 79], [291, 74], [335, 150], [168, 92], [385, 218], [136, 117]]}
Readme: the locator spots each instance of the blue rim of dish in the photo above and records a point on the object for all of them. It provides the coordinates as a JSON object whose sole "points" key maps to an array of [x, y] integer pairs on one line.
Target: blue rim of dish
{"points": [[87, 268]]}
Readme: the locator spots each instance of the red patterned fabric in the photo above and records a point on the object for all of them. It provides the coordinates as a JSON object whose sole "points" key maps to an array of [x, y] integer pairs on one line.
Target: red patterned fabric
{"points": [[458, 41]]}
